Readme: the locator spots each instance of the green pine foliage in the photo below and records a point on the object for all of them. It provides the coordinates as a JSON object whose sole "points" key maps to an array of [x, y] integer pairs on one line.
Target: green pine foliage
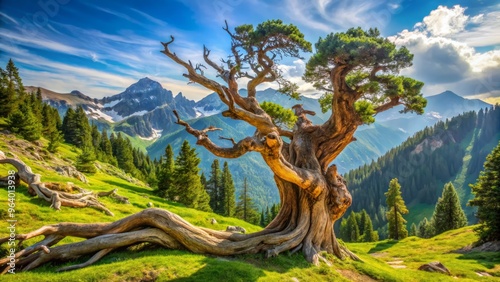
{"points": [[189, 190], [281, 116], [486, 192], [11, 89], [24, 123], [395, 209], [413, 230], [372, 63], [229, 202], [245, 207], [166, 188], [357, 227], [214, 188], [425, 229], [422, 168], [85, 161], [448, 213]]}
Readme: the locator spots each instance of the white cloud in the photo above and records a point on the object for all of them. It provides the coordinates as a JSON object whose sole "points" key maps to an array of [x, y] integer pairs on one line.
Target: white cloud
{"points": [[327, 15], [445, 54], [4, 17], [444, 21]]}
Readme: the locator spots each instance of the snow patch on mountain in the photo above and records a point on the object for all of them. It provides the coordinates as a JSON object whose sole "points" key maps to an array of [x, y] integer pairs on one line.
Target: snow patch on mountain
{"points": [[114, 115], [201, 112], [139, 113], [156, 134], [96, 113], [111, 104]]}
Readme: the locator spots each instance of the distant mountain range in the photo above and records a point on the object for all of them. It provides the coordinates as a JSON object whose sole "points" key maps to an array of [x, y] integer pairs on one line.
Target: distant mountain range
{"points": [[145, 110]]}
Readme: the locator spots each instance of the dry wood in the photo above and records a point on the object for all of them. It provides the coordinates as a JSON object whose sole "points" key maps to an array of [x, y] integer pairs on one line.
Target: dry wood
{"points": [[58, 198]]}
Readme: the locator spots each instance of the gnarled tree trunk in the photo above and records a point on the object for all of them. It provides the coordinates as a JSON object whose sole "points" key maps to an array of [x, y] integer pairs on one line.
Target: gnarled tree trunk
{"points": [[313, 196]]}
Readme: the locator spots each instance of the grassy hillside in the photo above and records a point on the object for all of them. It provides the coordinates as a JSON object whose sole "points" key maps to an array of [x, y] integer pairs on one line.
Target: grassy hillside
{"points": [[155, 264]]}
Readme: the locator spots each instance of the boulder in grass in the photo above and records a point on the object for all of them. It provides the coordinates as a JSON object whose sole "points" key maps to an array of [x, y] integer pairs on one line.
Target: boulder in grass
{"points": [[435, 266]]}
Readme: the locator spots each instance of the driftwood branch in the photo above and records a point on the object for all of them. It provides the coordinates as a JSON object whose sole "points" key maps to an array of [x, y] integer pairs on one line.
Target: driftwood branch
{"points": [[58, 198]]}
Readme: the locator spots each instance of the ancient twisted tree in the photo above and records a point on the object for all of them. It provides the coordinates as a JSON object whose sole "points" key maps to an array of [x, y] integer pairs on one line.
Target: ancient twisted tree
{"points": [[357, 71]]}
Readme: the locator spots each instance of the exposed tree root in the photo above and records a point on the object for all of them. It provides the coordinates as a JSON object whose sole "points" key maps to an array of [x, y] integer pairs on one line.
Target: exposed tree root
{"points": [[156, 226], [57, 198]]}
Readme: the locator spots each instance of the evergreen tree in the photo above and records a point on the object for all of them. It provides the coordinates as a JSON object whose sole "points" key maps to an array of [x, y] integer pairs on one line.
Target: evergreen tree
{"points": [[448, 213], [24, 123], [344, 232], [262, 219], [229, 202], [245, 208], [69, 127], [268, 216], [369, 235], [187, 180], [203, 180], [413, 230], [396, 208], [36, 104], [85, 161], [214, 187], [425, 229], [55, 138], [486, 192], [11, 89], [83, 134], [352, 228], [362, 218], [96, 140], [166, 186], [122, 151], [106, 148]]}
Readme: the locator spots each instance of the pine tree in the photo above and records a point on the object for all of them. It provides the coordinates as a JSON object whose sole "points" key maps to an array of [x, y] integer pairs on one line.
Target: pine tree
{"points": [[85, 161], [122, 150], [425, 229], [166, 186], [268, 216], [352, 228], [187, 180], [214, 187], [275, 209], [83, 133], [262, 219], [448, 213], [11, 89], [245, 208], [106, 148], [55, 138], [486, 192], [413, 230], [396, 208], [96, 141], [369, 235], [362, 218], [69, 127], [7, 95], [229, 202], [344, 232], [24, 123]]}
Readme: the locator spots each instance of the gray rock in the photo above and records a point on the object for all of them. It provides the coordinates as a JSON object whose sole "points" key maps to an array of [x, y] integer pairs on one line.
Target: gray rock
{"points": [[435, 266], [236, 229], [71, 172]]}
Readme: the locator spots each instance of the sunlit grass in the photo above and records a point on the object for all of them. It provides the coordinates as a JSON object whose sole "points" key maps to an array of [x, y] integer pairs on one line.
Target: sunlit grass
{"points": [[157, 264]]}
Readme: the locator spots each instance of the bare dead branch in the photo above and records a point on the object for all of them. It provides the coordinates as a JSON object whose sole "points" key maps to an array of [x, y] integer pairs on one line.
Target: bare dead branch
{"points": [[230, 139]]}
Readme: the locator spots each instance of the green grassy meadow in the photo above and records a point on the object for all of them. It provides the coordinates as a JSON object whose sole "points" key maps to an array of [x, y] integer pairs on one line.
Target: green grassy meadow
{"points": [[381, 261]]}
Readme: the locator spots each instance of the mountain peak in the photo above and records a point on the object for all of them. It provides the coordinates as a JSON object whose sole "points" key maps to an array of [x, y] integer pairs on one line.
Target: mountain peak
{"points": [[143, 85]]}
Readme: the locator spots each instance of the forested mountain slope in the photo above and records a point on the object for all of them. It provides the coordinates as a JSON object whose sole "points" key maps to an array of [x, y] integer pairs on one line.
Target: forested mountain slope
{"points": [[454, 150]]}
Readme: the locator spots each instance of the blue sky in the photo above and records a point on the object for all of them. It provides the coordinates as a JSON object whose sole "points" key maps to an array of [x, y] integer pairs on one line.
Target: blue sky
{"points": [[101, 47]]}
